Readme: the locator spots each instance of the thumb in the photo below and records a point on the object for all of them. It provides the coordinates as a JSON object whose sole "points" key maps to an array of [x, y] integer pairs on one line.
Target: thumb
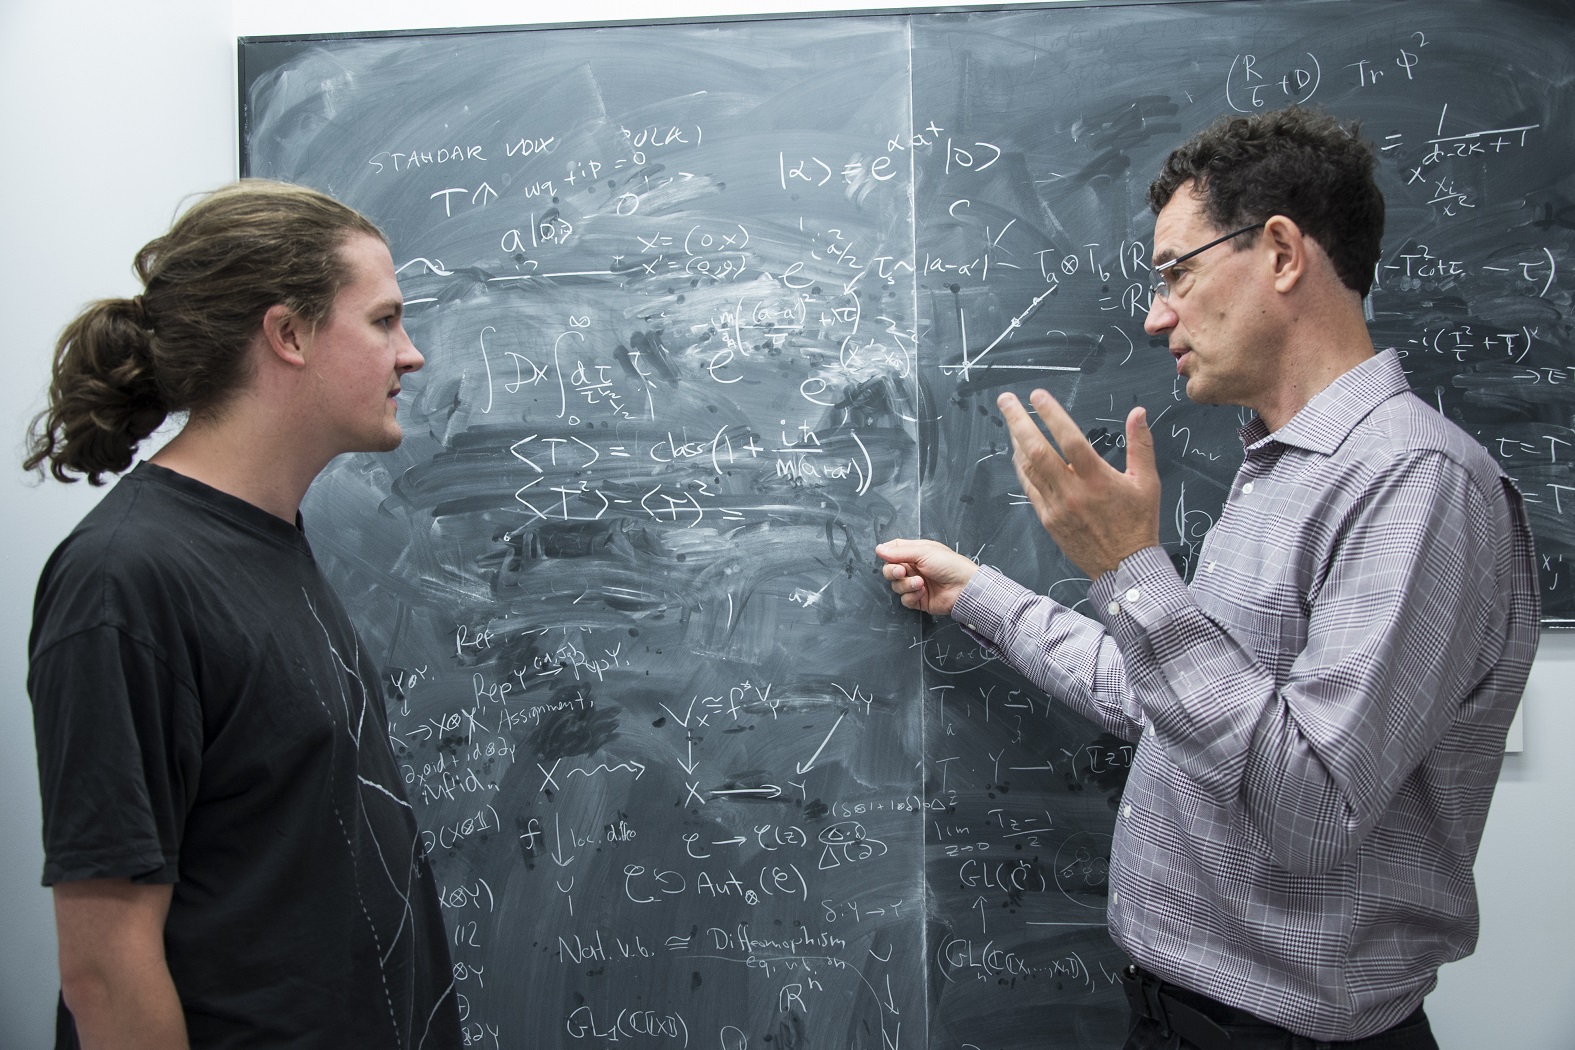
{"points": [[898, 550], [1140, 445]]}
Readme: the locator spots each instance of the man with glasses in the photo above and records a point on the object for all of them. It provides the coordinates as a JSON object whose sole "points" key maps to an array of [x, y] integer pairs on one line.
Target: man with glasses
{"points": [[1321, 712]]}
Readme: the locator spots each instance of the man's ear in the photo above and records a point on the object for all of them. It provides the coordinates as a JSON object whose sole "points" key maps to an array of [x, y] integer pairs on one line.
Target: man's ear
{"points": [[1288, 248], [285, 335]]}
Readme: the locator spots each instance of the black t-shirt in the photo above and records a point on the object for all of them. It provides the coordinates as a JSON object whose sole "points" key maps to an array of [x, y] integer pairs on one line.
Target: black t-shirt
{"points": [[207, 717]]}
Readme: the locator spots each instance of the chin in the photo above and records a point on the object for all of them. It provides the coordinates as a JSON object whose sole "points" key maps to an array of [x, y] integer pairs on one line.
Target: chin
{"points": [[1198, 392], [384, 441]]}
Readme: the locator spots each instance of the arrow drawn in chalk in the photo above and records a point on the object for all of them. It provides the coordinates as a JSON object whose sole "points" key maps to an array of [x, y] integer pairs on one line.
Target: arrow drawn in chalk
{"points": [[765, 791], [805, 767], [689, 766], [557, 853]]}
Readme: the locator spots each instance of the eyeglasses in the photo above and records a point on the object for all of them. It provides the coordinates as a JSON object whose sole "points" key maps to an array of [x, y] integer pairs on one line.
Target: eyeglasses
{"points": [[1162, 289]]}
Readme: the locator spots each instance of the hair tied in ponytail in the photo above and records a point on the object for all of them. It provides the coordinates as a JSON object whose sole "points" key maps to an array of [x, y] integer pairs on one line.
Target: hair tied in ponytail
{"points": [[213, 276]]}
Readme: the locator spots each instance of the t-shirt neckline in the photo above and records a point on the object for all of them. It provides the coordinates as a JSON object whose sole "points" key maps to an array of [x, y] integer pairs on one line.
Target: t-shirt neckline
{"points": [[247, 515]]}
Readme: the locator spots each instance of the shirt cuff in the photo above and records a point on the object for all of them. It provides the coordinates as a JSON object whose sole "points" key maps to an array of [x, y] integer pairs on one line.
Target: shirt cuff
{"points": [[984, 607], [1139, 594]]}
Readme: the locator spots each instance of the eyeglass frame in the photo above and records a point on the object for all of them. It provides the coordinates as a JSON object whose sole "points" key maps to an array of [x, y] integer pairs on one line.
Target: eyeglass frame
{"points": [[1161, 289]]}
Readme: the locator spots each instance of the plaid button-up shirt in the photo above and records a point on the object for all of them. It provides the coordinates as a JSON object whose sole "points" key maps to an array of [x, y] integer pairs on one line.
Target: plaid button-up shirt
{"points": [[1321, 714]]}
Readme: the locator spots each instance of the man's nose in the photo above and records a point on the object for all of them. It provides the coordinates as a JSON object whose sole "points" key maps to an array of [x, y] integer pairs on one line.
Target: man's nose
{"points": [[409, 358], [1161, 317]]}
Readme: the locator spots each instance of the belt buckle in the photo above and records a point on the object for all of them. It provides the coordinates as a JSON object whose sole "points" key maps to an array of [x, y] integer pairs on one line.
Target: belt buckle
{"points": [[1142, 992]]}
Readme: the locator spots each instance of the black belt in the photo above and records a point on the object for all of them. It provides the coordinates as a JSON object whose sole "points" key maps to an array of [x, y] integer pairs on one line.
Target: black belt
{"points": [[1150, 998], [1163, 1003]]}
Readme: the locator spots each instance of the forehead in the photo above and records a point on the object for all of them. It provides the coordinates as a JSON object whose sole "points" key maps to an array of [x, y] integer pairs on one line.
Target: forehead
{"points": [[1181, 225], [371, 270]]}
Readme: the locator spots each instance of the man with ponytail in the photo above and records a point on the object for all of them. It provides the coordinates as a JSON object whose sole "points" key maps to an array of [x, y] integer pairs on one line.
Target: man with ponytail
{"points": [[233, 858]]}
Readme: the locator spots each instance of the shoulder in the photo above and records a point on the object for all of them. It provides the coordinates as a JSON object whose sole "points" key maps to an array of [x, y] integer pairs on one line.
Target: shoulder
{"points": [[115, 546], [1420, 467], [1403, 430], [130, 556]]}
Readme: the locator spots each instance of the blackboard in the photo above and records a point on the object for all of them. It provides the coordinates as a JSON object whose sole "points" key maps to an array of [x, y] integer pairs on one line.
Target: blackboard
{"points": [[711, 308]]}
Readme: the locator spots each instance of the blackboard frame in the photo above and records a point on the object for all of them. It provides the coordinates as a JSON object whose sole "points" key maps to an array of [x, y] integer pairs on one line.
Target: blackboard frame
{"points": [[1069, 11]]}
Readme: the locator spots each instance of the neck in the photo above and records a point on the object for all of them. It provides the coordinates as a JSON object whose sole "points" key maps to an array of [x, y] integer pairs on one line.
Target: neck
{"points": [[1319, 347], [244, 454]]}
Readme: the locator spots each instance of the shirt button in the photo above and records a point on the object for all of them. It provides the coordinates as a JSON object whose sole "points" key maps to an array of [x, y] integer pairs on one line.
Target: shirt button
{"points": [[1113, 608], [1246, 490], [969, 626], [1115, 898], [1134, 594], [1126, 810]]}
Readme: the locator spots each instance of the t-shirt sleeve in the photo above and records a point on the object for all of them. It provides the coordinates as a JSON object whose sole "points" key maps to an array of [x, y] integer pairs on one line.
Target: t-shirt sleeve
{"points": [[119, 749]]}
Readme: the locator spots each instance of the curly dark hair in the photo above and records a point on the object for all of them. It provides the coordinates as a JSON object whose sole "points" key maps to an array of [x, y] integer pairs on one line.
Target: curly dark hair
{"points": [[122, 365], [1299, 163]]}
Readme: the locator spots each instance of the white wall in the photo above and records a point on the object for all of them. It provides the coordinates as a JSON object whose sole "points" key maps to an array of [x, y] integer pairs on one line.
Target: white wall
{"points": [[113, 112], [109, 115]]}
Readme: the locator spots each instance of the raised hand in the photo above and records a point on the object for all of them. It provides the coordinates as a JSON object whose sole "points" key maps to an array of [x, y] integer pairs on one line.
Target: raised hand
{"points": [[1096, 514]]}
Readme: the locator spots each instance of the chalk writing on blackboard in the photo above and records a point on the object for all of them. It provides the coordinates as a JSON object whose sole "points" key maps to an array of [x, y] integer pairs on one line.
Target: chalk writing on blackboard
{"points": [[710, 309]]}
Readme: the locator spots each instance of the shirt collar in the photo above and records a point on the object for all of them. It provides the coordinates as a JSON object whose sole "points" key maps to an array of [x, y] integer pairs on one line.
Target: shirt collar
{"points": [[1328, 419]]}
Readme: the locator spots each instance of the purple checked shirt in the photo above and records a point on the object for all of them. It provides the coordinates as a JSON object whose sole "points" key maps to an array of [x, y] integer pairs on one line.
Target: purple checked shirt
{"points": [[1321, 714]]}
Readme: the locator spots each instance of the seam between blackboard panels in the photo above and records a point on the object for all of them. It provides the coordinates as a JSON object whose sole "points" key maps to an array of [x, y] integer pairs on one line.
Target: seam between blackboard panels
{"points": [[918, 526]]}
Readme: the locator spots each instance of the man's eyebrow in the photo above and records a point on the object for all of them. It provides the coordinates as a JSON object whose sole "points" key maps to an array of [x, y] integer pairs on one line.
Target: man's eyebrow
{"points": [[1164, 258]]}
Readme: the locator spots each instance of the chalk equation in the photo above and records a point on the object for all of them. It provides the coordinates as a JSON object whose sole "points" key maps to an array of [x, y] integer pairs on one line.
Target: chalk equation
{"points": [[711, 309]]}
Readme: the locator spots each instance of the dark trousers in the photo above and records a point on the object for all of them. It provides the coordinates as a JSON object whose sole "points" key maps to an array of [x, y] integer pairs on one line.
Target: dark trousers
{"points": [[1165, 1017]]}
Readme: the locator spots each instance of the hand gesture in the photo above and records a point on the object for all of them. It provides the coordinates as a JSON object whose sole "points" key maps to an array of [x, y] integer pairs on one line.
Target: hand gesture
{"points": [[928, 575], [1096, 514]]}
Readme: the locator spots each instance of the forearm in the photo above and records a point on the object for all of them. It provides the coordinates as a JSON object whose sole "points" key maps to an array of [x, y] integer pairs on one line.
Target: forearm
{"points": [[1205, 694], [126, 1011], [1062, 652], [113, 973]]}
